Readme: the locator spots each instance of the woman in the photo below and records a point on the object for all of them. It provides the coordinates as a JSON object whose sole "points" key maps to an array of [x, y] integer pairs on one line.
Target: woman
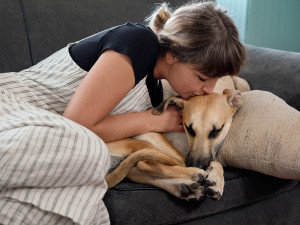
{"points": [[190, 50], [53, 167]]}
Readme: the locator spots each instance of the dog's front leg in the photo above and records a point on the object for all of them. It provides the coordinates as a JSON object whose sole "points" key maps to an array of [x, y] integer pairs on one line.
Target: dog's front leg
{"points": [[215, 180], [179, 180], [188, 186]]}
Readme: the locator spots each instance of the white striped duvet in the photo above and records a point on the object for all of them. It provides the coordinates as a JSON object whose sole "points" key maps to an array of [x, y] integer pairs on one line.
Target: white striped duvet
{"points": [[52, 169]]}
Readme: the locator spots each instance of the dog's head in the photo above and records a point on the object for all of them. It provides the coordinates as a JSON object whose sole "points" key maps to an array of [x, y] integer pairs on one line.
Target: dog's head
{"points": [[206, 121]]}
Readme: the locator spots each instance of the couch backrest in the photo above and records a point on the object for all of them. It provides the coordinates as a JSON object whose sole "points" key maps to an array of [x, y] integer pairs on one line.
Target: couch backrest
{"points": [[14, 47], [31, 30], [275, 71]]}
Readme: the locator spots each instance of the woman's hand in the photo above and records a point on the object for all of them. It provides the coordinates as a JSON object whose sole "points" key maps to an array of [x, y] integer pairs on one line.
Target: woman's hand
{"points": [[169, 121]]}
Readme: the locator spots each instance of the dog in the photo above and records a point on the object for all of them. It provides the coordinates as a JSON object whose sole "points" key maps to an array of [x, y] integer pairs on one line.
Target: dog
{"points": [[160, 159]]}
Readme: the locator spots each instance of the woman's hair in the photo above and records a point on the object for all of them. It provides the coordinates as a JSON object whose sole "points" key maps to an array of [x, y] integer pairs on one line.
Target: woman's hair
{"points": [[200, 34]]}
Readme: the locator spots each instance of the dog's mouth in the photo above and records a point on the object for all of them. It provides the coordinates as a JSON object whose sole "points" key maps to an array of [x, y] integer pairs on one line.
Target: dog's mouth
{"points": [[201, 163]]}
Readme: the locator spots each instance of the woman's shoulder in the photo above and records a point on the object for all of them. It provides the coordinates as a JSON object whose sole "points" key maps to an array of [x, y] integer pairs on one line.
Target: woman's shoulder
{"points": [[137, 28], [135, 40], [134, 33], [138, 42]]}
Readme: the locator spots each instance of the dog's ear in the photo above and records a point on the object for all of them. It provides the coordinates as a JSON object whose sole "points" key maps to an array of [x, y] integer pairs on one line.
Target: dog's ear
{"points": [[234, 97], [178, 101]]}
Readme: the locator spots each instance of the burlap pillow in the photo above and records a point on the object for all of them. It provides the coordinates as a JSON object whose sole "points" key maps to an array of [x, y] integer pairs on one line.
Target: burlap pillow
{"points": [[264, 137]]}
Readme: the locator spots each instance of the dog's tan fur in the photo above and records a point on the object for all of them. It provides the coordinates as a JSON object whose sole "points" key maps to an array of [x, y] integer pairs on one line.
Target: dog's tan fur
{"points": [[151, 159]]}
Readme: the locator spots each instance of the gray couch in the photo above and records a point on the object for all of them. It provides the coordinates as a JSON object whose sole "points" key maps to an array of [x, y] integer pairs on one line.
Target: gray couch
{"points": [[33, 29]]}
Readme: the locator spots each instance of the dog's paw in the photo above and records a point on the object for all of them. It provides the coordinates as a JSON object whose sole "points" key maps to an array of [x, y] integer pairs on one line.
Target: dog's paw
{"points": [[200, 177], [213, 192], [214, 182], [196, 190], [192, 192]]}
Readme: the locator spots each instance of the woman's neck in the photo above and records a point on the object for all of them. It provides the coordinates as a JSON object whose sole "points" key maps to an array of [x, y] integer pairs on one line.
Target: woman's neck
{"points": [[160, 69]]}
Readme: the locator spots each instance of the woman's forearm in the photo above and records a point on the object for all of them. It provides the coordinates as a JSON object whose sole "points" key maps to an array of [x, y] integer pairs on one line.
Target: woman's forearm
{"points": [[115, 127]]}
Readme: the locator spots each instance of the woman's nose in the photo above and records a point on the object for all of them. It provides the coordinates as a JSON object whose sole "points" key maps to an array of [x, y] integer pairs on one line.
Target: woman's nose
{"points": [[209, 85]]}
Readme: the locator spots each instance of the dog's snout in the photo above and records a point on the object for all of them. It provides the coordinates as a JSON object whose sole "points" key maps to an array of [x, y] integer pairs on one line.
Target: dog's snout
{"points": [[201, 163], [205, 162]]}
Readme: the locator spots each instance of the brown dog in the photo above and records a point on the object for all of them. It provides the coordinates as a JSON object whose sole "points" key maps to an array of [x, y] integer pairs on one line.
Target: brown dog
{"points": [[151, 158]]}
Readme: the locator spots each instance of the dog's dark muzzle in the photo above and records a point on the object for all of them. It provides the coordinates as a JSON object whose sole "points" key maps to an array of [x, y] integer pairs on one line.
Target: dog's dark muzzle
{"points": [[201, 163]]}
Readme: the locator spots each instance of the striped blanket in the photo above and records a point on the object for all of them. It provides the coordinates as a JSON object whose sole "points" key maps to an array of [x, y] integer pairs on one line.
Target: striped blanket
{"points": [[52, 169]]}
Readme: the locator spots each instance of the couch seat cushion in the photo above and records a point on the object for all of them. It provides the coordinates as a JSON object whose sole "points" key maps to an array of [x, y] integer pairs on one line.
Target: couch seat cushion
{"points": [[132, 203]]}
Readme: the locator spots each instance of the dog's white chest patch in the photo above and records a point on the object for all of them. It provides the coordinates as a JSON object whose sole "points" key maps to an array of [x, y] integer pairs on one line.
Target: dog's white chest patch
{"points": [[179, 141]]}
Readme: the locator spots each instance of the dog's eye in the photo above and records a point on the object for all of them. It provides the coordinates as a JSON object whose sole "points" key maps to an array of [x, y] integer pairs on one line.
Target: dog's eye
{"points": [[190, 130], [214, 132]]}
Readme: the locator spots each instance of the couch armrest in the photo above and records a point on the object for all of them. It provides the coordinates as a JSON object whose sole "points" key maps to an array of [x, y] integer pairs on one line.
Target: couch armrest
{"points": [[275, 71]]}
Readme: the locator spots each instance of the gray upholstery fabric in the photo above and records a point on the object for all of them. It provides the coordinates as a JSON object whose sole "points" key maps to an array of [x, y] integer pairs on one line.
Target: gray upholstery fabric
{"points": [[14, 48], [259, 212], [43, 27], [154, 206], [275, 71], [55, 23]]}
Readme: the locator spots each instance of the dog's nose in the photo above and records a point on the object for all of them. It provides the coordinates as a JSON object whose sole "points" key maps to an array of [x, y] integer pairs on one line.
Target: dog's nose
{"points": [[205, 162], [201, 163]]}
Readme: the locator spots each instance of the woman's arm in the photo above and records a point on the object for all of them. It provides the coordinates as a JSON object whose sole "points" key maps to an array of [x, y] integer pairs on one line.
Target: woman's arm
{"points": [[115, 127], [105, 85]]}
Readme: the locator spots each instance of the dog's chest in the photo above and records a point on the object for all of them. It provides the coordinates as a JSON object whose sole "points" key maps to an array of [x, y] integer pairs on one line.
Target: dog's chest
{"points": [[179, 141]]}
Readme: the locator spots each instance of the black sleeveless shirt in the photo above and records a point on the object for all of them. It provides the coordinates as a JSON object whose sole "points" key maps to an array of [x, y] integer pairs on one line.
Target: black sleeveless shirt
{"points": [[136, 41]]}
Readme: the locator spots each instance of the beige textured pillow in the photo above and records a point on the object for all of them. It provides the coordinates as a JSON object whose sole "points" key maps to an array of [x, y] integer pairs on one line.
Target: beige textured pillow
{"points": [[231, 82], [264, 137]]}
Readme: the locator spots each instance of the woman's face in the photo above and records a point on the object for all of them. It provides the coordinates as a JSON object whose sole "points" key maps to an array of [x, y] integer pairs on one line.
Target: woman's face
{"points": [[188, 82]]}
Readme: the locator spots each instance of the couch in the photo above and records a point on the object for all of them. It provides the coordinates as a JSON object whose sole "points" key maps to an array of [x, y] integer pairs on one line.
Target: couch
{"points": [[33, 29]]}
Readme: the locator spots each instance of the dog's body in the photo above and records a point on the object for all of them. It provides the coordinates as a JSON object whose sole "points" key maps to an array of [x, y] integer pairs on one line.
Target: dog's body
{"points": [[152, 159]]}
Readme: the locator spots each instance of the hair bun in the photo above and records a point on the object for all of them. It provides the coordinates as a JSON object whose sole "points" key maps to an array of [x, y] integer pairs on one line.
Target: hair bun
{"points": [[159, 17]]}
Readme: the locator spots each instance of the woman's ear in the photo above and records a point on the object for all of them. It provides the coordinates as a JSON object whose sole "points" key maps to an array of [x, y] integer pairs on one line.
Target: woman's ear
{"points": [[170, 58]]}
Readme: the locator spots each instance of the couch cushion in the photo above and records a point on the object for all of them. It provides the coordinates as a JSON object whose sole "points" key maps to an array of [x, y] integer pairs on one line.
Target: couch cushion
{"points": [[275, 71], [53, 24], [282, 209], [132, 203], [15, 54]]}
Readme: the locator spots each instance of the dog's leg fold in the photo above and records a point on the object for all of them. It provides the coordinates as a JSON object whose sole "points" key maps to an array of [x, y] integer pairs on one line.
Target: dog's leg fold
{"points": [[145, 154], [186, 189]]}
